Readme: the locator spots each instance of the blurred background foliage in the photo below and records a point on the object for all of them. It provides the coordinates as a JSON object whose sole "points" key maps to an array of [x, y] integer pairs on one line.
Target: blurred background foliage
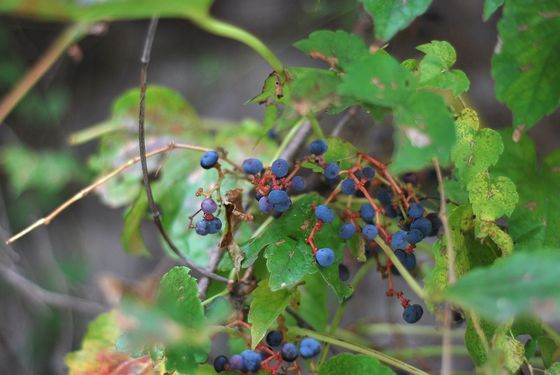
{"points": [[45, 147]]}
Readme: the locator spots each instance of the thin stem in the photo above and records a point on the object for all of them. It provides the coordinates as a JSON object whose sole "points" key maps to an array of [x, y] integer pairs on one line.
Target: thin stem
{"points": [[382, 357], [400, 329], [316, 127], [446, 358], [156, 216], [416, 288], [93, 132], [223, 293], [426, 351], [288, 139], [362, 272], [233, 32], [53, 53]]}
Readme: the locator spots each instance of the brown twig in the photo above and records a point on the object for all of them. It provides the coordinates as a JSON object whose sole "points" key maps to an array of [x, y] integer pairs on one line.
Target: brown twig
{"points": [[39, 295], [156, 216], [343, 121], [446, 359], [62, 42]]}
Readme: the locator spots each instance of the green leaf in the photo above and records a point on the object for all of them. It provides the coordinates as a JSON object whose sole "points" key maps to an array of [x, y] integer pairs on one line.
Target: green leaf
{"points": [[554, 369], [341, 152], [525, 66], [338, 48], [346, 363], [424, 130], [549, 350], [536, 217], [313, 302], [266, 307], [520, 283], [435, 70], [476, 149], [378, 79], [94, 11], [131, 237], [178, 299], [313, 90], [288, 257], [47, 172], [490, 6], [391, 16], [492, 197], [101, 335]]}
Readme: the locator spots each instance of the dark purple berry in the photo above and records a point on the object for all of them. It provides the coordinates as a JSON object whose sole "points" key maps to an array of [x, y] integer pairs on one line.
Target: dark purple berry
{"points": [[412, 313], [274, 338], [208, 206], [264, 205], [220, 363], [289, 352], [201, 227], [368, 173], [415, 211]]}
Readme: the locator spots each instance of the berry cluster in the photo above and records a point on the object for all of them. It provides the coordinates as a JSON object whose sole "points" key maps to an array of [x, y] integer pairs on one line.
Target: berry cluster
{"points": [[274, 356]]}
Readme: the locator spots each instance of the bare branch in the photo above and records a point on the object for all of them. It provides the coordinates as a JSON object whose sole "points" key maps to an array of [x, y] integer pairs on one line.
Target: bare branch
{"points": [[62, 42], [145, 61]]}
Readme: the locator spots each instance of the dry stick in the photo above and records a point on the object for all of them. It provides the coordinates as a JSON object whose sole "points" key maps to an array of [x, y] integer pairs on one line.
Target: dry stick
{"points": [[214, 259], [446, 359], [85, 191], [145, 60], [343, 121], [62, 42], [37, 294]]}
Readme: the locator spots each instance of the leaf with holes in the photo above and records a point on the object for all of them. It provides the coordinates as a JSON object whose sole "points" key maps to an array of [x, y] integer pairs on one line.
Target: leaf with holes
{"points": [[492, 197]]}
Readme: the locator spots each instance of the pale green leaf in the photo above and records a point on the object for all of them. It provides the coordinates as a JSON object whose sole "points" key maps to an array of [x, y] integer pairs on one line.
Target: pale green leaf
{"points": [[490, 6], [492, 197], [266, 307]]}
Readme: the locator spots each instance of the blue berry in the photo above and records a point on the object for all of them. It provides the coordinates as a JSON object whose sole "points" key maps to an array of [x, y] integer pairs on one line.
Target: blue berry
{"points": [[412, 313], [264, 205], [298, 183], [369, 232], [309, 348], [347, 231], [325, 257], [252, 166], [324, 213], [220, 363], [367, 212], [399, 240], [208, 206], [414, 236], [274, 338], [407, 260], [236, 362], [390, 211], [214, 225], [415, 211], [280, 168], [348, 186], [331, 171], [201, 227], [368, 173], [208, 159], [283, 206], [318, 147], [289, 352], [276, 214], [422, 224], [436, 223], [277, 196], [251, 360], [384, 196]]}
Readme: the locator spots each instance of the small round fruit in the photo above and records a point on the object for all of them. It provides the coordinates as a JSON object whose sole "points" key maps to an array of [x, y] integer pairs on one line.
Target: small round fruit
{"points": [[289, 352], [369, 231], [298, 183], [252, 166], [220, 363], [209, 159], [367, 212], [348, 186], [318, 147], [436, 223], [236, 362], [415, 211], [368, 173], [324, 213], [412, 313], [347, 231], [283, 206], [309, 348], [264, 205], [274, 338], [201, 227], [251, 360], [399, 240], [384, 196], [422, 224], [208, 206], [414, 236], [325, 257], [278, 196], [280, 168], [214, 225], [331, 171]]}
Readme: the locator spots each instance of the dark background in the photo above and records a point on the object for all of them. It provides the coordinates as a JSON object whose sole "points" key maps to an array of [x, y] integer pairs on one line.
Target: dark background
{"points": [[216, 76]]}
